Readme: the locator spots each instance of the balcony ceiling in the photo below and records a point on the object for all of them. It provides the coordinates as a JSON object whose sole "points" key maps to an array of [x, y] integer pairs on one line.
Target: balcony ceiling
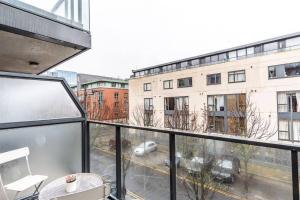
{"points": [[17, 51]]}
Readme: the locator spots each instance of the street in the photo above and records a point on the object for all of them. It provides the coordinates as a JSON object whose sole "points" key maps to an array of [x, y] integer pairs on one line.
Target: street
{"points": [[153, 183]]}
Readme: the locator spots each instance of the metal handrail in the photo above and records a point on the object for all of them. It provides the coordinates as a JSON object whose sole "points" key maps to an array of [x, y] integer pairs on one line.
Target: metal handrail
{"points": [[293, 148]]}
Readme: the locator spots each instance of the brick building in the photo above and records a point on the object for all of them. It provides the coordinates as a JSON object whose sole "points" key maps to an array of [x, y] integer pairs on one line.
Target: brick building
{"points": [[104, 98]]}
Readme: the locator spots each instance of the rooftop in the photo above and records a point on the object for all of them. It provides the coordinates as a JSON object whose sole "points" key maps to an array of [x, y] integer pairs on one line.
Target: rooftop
{"points": [[247, 50]]}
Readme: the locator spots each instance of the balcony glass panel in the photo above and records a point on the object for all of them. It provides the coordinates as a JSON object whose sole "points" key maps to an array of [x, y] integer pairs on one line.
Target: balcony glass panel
{"points": [[103, 152], [145, 161], [30, 100], [54, 151], [71, 12], [222, 170]]}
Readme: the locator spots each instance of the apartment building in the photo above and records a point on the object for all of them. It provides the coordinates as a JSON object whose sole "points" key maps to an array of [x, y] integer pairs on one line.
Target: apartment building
{"points": [[265, 73], [104, 98]]}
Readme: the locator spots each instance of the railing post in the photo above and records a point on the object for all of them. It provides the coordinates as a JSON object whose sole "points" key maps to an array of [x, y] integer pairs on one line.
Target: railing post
{"points": [[172, 152], [85, 146], [118, 162], [295, 176]]}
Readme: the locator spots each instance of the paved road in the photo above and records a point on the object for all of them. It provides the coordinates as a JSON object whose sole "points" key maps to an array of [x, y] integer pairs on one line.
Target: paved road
{"points": [[145, 182]]}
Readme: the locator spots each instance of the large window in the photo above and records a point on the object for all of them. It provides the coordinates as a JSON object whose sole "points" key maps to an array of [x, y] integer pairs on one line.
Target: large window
{"points": [[176, 103], [288, 101], [237, 76], [147, 86], [288, 115], [168, 84], [215, 103], [236, 102], [148, 112], [216, 124], [148, 104], [214, 79], [284, 70], [185, 82]]}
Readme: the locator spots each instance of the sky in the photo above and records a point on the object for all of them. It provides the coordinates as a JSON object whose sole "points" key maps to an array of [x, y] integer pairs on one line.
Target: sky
{"points": [[132, 34]]}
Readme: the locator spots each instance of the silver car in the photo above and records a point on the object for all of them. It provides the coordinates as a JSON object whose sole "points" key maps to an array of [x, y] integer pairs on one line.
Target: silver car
{"points": [[146, 147]]}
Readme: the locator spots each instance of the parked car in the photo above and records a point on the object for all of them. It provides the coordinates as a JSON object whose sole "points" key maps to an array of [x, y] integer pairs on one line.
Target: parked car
{"points": [[125, 144], [226, 169], [178, 157], [199, 163], [146, 147]]}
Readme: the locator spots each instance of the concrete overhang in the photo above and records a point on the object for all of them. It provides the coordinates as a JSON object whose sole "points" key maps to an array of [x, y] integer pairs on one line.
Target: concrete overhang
{"points": [[30, 43]]}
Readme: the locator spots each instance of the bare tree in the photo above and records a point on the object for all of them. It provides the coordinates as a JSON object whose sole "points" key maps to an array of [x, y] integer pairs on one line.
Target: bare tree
{"points": [[142, 117], [247, 121], [198, 182]]}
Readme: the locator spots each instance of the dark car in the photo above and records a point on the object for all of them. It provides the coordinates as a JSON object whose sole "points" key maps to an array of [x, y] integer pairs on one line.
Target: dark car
{"points": [[226, 168], [177, 160]]}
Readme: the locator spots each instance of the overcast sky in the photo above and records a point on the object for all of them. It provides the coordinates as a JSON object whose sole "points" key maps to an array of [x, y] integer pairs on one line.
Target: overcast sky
{"points": [[132, 34]]}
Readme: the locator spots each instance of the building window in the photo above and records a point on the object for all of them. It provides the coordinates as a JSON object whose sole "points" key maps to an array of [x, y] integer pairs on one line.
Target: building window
{"points": [[216, 124], [241, 53], [148, 112], [148, 104], [113, 84], [176, 103], [284, 70], [101, 98], [214, 58], [215, 103], [177, 113], [147, 86], [289, 115], [236, 102], [169, 103], [168, 84], [236, 125], [213, 79], [116, 96], [258, 49], [237, 76], [271, 46], [185, 82]]}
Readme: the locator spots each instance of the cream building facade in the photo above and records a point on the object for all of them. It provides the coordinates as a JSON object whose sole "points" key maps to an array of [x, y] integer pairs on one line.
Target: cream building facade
{"points": [[266, 72]]}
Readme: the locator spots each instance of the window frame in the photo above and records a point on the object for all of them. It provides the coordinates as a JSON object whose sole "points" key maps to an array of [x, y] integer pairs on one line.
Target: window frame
{"points": [[146, 89], [284, 65], [234, 75], [208, 76], [170, 84], [187, 78]]}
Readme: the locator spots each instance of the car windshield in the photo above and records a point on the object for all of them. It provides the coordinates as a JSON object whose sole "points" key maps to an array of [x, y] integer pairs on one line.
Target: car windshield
{"points": [[223, 165]]}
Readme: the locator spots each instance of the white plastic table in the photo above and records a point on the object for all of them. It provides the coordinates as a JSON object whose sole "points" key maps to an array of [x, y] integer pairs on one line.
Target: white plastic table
{"points": [[57, 188]]}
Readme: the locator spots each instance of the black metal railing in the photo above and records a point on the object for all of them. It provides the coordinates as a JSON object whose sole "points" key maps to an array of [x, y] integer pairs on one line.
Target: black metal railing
{"points": [[172, 136]]}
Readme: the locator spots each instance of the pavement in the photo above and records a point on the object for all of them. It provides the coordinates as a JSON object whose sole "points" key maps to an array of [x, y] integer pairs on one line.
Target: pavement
{"points": [[148, 178]]}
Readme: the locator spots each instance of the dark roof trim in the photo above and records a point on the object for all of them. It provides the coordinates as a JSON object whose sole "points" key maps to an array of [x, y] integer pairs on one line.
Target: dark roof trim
{"points": [[288, 36]]}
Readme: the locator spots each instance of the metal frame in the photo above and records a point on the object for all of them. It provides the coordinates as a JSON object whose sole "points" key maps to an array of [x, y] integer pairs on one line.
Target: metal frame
{"points": [[293, 148]]}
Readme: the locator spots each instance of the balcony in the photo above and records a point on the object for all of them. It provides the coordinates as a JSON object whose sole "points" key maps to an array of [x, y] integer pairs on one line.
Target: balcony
{"points": [[184, 165], [36, 36], [167, 164]]}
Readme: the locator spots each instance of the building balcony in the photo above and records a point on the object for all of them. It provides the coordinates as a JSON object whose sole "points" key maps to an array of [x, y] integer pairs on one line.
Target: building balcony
{"points": [[36, 36]]}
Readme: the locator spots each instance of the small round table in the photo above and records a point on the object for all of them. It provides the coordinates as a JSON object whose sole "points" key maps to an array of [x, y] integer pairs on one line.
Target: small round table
{"points": [[57, 188]]}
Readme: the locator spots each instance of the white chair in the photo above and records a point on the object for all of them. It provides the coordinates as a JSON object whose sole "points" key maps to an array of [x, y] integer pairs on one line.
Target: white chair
{"points": [[25, 182], [92, 194]]}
